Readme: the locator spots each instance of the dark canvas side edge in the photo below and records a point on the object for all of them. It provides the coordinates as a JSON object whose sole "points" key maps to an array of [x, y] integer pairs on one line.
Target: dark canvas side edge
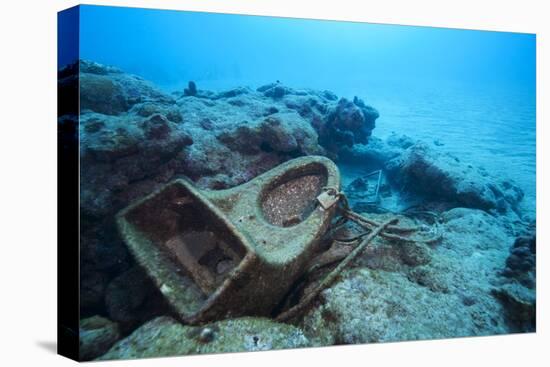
{"points": [[68, 218]]}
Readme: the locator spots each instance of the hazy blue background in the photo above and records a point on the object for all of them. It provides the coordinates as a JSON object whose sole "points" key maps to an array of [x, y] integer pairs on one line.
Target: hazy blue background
{"points": [[473, 91], [168, 46]]}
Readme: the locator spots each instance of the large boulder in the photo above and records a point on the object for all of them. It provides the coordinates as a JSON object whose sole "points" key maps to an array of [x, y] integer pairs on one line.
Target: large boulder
{"points": [[107, 90], [283, 133], [117, 151], [440, 176], [369, 306], [164, 336], [338, 123]]}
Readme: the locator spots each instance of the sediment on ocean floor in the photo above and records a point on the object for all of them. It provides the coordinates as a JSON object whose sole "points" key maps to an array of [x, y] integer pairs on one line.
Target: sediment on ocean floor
{"points": [[135, 138]]}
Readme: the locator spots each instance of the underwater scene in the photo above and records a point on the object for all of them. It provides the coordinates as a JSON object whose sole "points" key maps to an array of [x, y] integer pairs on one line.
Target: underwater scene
{"points": [[253, 183]]}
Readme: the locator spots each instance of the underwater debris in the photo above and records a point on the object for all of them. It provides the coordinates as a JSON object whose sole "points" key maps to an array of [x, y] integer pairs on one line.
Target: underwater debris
{"points": [[208, 252], [346, 256], [366, 188], [327, 281], [211, 252]]}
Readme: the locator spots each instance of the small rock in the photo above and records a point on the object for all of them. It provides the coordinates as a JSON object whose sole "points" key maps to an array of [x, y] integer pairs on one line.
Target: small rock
{"points": [[96, 334], [206, 335]]}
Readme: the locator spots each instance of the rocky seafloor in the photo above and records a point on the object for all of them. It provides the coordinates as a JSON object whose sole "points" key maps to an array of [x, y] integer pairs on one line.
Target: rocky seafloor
{"points": [[478, 279]]}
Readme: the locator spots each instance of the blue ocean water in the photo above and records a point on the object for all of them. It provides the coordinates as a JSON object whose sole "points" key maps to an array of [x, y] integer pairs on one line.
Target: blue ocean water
{"points": [[471, 91]]}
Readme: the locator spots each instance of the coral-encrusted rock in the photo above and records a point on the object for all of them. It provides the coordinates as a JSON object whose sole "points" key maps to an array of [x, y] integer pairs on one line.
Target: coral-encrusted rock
{"points": [[520, 305], [348, 123], [214, 165], [96, 335], [109, 91], [518, 294], [471, 230], [101, 94], [147, 109], [232, 93], [440, 176], [426, 276], [338, 123], [369, 306], [286, 133], [521, 262], [384, 298], [164, 336], [275, 90], [108, 138], [119, 150], [375, 154]]}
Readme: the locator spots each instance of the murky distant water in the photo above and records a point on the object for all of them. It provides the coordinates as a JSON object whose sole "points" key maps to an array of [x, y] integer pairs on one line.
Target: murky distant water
{"points": [[490, 127], [487, 117]]}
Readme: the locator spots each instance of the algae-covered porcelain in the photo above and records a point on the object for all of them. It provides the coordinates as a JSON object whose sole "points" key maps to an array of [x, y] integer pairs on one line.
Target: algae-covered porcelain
{"points": [[234, 252]]}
